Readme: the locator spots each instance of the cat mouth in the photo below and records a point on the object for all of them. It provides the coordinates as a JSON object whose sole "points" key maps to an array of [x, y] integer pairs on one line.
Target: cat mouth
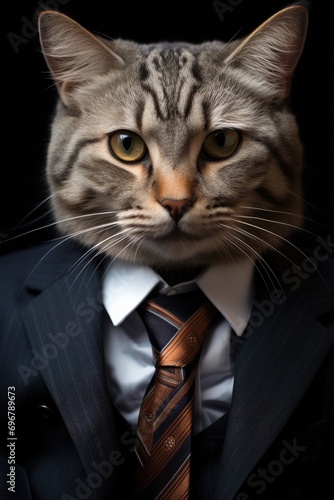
{"points": [[178, 247], [176, 234]]}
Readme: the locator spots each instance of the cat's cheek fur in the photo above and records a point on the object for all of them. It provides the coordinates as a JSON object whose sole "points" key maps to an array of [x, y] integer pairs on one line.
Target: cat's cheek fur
{"points": [[173, 95]]}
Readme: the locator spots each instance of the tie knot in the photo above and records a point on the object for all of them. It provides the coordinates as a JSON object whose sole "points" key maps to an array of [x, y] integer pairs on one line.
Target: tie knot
{"points": [[176, 326]]}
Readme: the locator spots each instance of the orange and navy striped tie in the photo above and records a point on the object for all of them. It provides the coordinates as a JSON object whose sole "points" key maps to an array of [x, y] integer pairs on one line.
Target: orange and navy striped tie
{"points": [[177, 326]]}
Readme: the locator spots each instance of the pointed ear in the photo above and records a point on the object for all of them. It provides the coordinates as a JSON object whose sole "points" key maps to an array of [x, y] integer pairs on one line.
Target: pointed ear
{"points": [[73, 54], [269, 55]]}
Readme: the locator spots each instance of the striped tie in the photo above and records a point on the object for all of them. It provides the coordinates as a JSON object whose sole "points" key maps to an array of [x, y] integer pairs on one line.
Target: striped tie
{"points": [[176, 326]]}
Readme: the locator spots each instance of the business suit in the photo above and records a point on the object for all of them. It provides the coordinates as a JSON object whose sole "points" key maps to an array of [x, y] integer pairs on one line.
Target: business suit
{"points": [[279, 440]]}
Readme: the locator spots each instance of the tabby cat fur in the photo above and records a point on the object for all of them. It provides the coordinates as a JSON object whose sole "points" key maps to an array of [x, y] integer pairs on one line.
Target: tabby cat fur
{"points": [[176, 155]]}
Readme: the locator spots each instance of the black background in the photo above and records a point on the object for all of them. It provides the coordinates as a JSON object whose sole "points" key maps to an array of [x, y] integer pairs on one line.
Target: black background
{"points": [[28, 97]]}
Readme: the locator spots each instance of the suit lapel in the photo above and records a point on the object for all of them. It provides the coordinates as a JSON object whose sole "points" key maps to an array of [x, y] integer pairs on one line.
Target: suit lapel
{"points": [[275, 367], [63, 324]]}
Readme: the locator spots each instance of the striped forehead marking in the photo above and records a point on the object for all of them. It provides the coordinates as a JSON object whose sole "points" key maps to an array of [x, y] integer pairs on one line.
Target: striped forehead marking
{"points": [[172, 77]]}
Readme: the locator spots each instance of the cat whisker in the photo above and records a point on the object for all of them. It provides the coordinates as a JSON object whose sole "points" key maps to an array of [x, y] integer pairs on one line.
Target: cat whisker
{"points": [[261, 228], [272, 221], [285, 240], [63, 239], [47, 199], [92, 250], [258, 257], [270, 210], [56, 223], [140, 240], [110, 262], [276, 235], [131, 242], [224, 46], [257, 261]]}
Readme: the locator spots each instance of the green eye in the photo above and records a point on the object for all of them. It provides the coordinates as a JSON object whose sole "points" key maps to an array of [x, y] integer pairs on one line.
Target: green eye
{"points": [[127, 146], [220, 144]]}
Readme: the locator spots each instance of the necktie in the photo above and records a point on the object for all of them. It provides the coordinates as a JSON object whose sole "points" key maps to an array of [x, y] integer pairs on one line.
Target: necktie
{"points": [[176, 327]]}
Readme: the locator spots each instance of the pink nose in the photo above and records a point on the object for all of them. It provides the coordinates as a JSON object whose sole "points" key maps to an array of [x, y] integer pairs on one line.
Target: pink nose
{"points": [[176, 208]]}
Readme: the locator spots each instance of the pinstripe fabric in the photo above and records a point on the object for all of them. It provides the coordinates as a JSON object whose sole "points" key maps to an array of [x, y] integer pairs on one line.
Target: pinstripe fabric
{"points": [[165, 420]]}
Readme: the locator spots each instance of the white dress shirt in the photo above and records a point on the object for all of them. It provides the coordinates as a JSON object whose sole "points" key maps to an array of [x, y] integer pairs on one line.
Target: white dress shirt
{"points": [[128, 352]]}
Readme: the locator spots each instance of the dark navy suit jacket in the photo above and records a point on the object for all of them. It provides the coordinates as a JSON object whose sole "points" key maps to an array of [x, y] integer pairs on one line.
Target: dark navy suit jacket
{"points": [[277, 442]]}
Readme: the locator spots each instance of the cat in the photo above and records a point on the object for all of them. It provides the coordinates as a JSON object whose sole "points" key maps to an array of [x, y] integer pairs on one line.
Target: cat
{"points": [[176, 155], [171, 162]]}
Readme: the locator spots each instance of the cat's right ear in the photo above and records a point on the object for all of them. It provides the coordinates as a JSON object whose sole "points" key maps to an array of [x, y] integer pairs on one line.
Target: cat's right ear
{"points": [[270, 54], [73, 54]]}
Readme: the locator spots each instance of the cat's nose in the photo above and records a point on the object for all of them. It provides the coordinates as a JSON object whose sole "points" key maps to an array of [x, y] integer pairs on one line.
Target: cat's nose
{"points": [[176, 208]]}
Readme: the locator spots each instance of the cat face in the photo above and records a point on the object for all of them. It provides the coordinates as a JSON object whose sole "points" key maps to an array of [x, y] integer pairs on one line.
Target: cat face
{"points": [[173, 153]]}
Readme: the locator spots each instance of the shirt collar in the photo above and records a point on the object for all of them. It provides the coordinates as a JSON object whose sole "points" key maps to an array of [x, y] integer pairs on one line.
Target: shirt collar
{"points": [[228, 286]]}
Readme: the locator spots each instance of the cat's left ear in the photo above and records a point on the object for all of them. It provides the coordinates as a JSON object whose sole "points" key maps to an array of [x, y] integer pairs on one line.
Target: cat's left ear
{"points": [[73, 55], [270, 54]]}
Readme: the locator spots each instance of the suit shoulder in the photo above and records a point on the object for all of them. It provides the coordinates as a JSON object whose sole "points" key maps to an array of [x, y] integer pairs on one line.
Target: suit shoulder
{"points": [[39, 265], [19, 263]]}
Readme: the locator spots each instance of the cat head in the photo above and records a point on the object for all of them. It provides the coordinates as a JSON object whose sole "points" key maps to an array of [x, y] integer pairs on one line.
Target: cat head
{"points": [[175, 153]]}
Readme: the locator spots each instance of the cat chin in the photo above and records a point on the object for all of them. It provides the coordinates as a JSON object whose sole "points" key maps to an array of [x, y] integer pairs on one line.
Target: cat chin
{"points": [[174, 259]]}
